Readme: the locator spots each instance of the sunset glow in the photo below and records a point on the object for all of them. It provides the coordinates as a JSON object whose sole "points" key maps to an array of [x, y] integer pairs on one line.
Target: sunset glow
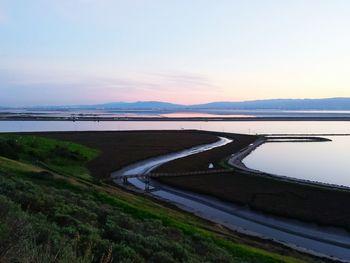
{"points": [[94, 51]]}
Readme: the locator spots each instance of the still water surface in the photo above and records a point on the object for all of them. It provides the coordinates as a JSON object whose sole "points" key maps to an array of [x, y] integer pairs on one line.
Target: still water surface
{"points": [[249, 127], [326, 162], [318, 161]]}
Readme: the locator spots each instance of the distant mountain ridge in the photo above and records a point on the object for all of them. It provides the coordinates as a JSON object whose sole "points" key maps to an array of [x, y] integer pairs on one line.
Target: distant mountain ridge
{"points": [[282, 104], [139, 105], [270, 104]]}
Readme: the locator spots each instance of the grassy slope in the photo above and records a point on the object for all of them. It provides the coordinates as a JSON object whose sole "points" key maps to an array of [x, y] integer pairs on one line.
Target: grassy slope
{"points": [[66, 218], [63, 157]]}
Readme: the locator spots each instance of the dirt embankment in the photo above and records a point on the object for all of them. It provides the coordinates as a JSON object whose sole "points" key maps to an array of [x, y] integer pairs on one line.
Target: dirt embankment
{"points": [[120, 148], [201, 161], [322, 205], [293, 200]]}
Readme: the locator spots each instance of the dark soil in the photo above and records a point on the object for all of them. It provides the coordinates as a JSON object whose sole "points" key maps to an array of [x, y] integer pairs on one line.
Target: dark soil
{"points": [[316, 204], [120, 148], [201, 161]]}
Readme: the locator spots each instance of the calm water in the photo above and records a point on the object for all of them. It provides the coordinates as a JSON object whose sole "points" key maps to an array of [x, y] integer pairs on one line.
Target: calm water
{"points": [[318, 161], [326, 162], [171, 113], [249, 127]]}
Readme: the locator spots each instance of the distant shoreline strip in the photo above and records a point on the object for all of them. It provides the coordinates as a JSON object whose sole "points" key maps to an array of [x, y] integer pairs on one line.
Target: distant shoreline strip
{"points": [[205, 119]]}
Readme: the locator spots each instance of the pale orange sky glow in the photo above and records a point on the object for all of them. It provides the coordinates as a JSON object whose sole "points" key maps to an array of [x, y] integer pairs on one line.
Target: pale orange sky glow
{"points": [[80, 52]]}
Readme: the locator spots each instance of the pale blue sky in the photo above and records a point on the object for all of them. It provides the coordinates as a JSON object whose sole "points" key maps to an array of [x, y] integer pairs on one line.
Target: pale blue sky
{"points": [[184, 51]]}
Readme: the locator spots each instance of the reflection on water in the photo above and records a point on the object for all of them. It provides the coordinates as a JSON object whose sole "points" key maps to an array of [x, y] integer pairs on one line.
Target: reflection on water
{"points": [[249, 127], [202, 115], [317, 161], [185, 112]]}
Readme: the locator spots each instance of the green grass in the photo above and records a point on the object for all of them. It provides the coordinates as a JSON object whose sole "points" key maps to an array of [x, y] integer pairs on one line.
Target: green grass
{"points": [[242, 252], [12, 166], [70, 219], [223, 164], [62, 157]]}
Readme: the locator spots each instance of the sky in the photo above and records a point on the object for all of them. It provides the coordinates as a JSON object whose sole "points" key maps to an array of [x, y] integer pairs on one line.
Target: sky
{"points": [[59, 52]]}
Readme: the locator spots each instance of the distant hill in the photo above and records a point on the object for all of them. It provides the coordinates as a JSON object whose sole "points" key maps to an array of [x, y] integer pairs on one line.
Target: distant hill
{"points": [[138, 105], [281, 104], [272, 104]]}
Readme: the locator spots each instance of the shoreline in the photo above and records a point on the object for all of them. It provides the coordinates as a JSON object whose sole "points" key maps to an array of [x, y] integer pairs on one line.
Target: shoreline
{"points": [[236, 161], [161, 119], [273, 194]]}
